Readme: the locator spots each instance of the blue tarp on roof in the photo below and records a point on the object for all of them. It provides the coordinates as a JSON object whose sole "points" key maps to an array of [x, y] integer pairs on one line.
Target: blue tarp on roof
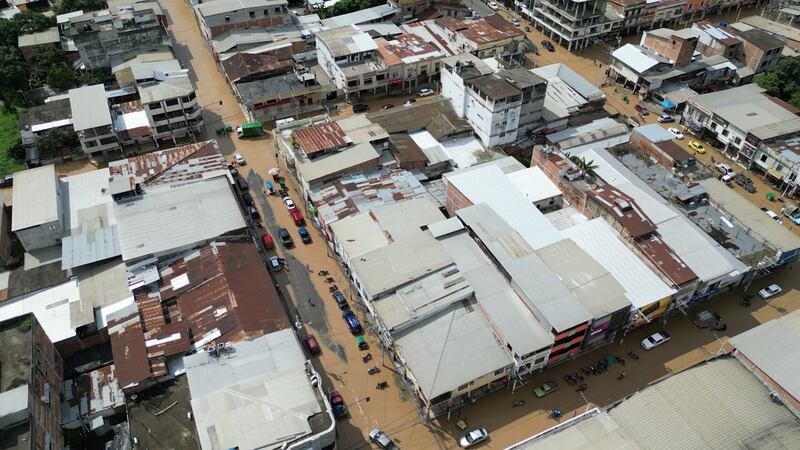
{"points": [[667, 104]]}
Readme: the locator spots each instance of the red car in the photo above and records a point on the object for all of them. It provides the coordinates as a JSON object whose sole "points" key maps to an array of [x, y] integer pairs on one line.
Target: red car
{"points": [[337, 403], [311, 344], [297, 217], [266, 239]]}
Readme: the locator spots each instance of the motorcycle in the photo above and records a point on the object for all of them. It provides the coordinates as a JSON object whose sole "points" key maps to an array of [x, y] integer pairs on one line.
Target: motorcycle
{"points": [[323, 273], [382, 385], [582, 388], [366, 357], [569, 379], [519, 403], [621, 375], [633, 355], [373, 370], [333, 288], [329, 280]]}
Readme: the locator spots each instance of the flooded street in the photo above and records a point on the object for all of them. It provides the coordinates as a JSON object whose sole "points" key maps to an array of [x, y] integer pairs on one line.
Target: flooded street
{"points": [[340, 364]]}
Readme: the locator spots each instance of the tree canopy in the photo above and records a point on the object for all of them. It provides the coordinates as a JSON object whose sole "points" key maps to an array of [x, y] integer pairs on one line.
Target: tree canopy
{"points": [[346, 7], [67, 6], [783, 81]]}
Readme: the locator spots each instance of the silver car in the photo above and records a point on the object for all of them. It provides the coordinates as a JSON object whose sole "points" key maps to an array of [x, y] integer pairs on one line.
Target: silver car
{"points": [[474, 437], [380, 438]]}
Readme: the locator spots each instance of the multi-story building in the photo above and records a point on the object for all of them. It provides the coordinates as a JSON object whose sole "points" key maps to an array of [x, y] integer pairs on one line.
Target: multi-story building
{"points": [[632, 12], [37, 219], [575, 24], [350, 58], [92, 120], [676, 46], [281, 96], [716, 40], [491, 36], [410, 60], [108, 37], [220, 16], [171, 107], [31, 386], [762, 51], [501, 106], [742, 119], [661, 13]]}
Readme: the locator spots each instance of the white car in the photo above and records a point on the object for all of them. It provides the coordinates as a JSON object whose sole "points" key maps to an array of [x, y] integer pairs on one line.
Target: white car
{"points": [[380, 438], [239, 159], [424, 92], [474, 437], [515, 22], [654, 340], [493, 5], [770, 291], [676, 133], [725, 169], [289, 202]]}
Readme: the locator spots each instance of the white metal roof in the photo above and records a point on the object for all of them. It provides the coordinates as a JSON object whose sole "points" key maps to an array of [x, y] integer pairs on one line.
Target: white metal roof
{"points": [[450, 349], [346, 40], [773, 348], [642, 286], [373, 14], [654, 132], [51, 307], [488, 184], [257, 396], [633, 57], [167, 217], [227, 6], [35, 198], [534, 184], [749, 215], [89, 106]]}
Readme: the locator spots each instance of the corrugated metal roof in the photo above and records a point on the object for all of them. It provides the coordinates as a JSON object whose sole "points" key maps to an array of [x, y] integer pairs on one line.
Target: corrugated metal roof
{"points": [[127, 345], [374, 14], [624, 210], [227, 6], [773, 348], [319, 138], [635, 58], [167, 218], [90, 394], [35, 199]]}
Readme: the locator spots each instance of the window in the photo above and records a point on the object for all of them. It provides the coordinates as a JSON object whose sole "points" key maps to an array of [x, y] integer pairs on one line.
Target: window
{"points": [[499, 371], [352, 83], [724, 132], [737, 141], [779, 168], [463, 386], [539, 360], [380, 76], [152, 106], [252, 14], [763, 158], [227, 18], [368, 80], [278, 10]]}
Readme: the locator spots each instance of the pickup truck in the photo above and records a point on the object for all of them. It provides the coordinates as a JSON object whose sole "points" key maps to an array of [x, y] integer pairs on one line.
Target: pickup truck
{"points": [[745, 182]]}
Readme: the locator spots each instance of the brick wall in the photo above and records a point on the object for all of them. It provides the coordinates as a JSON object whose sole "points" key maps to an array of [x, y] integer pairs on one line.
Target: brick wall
{"points": [[645, 146], [455, 200], [46, 374], [677, 50]]}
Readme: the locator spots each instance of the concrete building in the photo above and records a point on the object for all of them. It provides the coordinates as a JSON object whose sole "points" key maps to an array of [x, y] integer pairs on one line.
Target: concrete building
{"points": [[770, 353], [716, 40], [676, 46], [742, 119], [661, 13], [631, 11], [411, 61], [220, 16], [788, 34], [568, 96], [762, 51], [271, 395], [571, 23], [29, 43], [351, 59], [170, 106], [92, 120], [37, 216], [108, 37], [30, 386], [687, 410], [501, 107], [491, 36], [282, 96]]}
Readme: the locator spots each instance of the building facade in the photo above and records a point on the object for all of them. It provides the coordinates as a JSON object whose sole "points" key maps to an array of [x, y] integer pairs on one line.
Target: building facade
{"points": [[220, 16]]}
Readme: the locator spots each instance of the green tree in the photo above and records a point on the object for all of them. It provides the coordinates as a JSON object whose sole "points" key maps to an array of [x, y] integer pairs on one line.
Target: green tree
{"points": [[31, 22], [44, 60], [53, 142], [67, 6], [783, 81], [13, 70], [8, 33], [61, 78]]}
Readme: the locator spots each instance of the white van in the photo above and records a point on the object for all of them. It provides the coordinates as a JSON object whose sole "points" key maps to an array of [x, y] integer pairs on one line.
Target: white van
{"points": [[725, 169]]}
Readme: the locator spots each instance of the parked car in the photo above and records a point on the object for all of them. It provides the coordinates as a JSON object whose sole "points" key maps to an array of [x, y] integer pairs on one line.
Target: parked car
{"points": [[380, 438], [387, 106], [6, 182], [266, 239], [676, 133], [253, 213], [289, 203], [774, 216], [241, 183], [515, 22], [297, 217], [548, 45], [474, 437], [305, 236], [247, 199], [641, 109], [360, 107], [745, 182], [546, 389], [665, 118], [493, 5], [697, 147], [770, 291], [654, 340], [352, 321], [312, 345], [338, 405], [286, 238], [239, 159], [424, 92], [275, 264], [340, 300], [725, 169]]}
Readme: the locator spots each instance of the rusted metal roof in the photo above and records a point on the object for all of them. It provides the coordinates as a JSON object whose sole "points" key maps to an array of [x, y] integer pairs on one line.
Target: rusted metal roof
{"points": [[319, 138], [624, 210], [246, 65], [482, 31], [666, 260], [224, 293], [150, 308], [127, 345], [91, 393]]}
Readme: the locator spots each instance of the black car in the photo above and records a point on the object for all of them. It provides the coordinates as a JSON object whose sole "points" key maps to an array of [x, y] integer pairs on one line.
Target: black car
{"points": [[253, 213], [247, 199], [341, 301], [548, 45], [8, 181], [242, 183], [285, 237], [360, 107], [352, 322]]}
